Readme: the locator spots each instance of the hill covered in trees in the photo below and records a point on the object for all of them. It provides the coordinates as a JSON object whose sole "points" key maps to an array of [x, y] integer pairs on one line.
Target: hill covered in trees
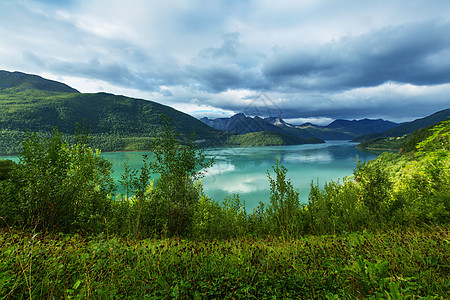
{"points": [[408, 127], [18, 81], [116, 123]]}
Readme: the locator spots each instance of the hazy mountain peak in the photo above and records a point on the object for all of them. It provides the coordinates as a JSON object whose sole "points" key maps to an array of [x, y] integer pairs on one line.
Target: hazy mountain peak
{"points": [[239, 115]]}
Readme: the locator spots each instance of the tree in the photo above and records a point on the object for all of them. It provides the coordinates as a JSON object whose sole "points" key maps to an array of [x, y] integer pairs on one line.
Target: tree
{"points": [[180, 167], [284, 208], [6, 166], [61, 186]]}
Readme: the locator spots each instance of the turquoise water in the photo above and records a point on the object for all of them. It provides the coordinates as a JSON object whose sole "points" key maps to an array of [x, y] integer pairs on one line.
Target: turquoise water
{"points": [[243, 169]]}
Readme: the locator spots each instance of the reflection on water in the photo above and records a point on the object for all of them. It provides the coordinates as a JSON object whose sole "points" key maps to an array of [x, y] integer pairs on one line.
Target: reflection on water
{"points": [[219, 168], [323, 157], [243, 169]]}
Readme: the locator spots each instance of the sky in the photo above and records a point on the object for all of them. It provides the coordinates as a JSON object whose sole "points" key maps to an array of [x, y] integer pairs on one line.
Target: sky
{"points": [[302, 60]]}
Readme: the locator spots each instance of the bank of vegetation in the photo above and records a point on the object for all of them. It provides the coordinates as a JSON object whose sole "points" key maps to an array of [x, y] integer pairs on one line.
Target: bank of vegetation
{"points": [[266, 138], [381, 233]]}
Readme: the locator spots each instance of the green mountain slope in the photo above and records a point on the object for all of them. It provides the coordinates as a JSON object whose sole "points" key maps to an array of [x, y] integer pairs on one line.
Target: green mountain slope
{"points": [[29, 103], [115, 122], [34, 104], [104, 113], [266, 138], [17, 81], [406, 143], [408, 128]]}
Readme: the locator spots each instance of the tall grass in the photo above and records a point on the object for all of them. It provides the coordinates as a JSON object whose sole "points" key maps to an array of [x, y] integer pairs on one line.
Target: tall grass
{"points": [[395, 264]]}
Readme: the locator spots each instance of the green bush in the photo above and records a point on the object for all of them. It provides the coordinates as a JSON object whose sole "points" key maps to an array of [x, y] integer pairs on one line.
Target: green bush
{"points": [[65, 186], [58, 186], [179, 168], [336, 208], [283, 212], [6, 167]]}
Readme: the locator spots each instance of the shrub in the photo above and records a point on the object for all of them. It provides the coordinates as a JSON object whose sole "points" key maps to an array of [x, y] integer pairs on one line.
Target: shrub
{"points": [[180, 167], [6, 167], [58, 186], [283, 213]]}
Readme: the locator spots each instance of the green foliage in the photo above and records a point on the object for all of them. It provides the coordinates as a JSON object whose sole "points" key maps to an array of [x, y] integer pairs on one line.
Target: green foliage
{"points": [[375, 186], [6, 166], [140, 213], [392, 190], [335, 208], [116, 122], [392, 264], [369, 245], [284, 209], [179, 168], [265, 138], [59, 186], [214, 221]]}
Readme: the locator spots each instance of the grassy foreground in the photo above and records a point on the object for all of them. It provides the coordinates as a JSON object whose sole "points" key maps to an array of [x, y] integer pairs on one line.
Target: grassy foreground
{"points": [[402, 263]]}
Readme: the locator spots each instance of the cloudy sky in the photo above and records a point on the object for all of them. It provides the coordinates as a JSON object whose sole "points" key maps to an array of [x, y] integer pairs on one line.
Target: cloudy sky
{"points": [[303, 60]]}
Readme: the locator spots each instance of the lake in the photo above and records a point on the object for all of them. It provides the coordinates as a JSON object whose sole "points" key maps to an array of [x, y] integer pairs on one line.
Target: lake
{"points": [[243, 170]]}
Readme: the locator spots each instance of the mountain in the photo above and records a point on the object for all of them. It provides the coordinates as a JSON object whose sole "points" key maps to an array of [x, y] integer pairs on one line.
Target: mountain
{"points": [[307, 130], [241, 124], [17, 81], [360, 127], [338, 129], [407, 128], [29, 103], [325, 133], [406, 143], [115, 122]]}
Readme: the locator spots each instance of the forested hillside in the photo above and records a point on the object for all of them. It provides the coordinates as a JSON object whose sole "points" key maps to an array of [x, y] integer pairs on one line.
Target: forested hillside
{"points": [[267, 138], [17, 81], [34, 104], [407, 128], [29, 103]]}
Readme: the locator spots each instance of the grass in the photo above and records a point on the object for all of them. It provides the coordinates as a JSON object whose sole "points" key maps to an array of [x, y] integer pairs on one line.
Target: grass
{"points": [[394, 264]]}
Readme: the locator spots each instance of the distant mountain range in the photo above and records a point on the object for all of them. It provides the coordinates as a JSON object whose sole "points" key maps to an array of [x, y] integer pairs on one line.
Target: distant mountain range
{"points": [[408, 127], [29, 103], [34, 104], [405, 136], [337, 130]]}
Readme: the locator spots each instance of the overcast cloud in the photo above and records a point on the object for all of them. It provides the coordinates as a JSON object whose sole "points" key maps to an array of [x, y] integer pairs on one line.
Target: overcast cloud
{"points": [[312, 60]]}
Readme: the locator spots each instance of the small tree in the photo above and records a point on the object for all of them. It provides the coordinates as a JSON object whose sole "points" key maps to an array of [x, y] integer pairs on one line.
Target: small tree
{"points": [[6, 167], [180, 167], [62, 186], [375, 189], [284, 208]]}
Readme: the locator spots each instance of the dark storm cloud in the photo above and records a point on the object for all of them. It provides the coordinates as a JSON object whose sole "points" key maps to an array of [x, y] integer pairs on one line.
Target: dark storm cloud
{"points": [[417, 53]]}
